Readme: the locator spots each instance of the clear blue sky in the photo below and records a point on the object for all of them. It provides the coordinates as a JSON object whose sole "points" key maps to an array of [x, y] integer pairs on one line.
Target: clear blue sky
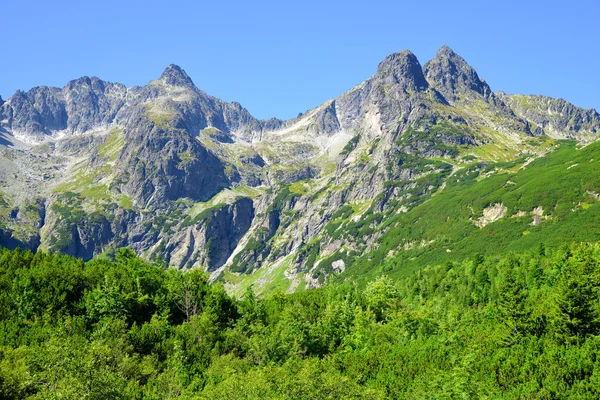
{"points": [[279, 58]]}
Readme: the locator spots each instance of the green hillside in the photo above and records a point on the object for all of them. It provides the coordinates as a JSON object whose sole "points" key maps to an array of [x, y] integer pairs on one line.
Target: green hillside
{"points": [[565, 184]]}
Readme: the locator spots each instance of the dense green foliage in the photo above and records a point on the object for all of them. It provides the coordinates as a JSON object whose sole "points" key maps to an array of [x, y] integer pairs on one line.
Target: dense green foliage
{"points": [[564, 184], [522, 326]]}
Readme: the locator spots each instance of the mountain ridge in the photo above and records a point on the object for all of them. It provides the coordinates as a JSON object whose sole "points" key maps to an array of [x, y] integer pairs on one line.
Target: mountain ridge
{"points": [[179, 175]]}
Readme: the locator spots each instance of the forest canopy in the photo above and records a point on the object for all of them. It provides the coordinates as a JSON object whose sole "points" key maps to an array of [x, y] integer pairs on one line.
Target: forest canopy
{"points": [[519, 326]]}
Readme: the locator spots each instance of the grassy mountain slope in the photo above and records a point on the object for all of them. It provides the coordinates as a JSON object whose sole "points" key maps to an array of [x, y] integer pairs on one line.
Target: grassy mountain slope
{"points": [[550, 199]]}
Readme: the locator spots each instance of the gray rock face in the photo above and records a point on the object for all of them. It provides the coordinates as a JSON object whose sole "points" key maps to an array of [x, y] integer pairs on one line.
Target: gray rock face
{"points": [[91, 103], [403, 70], [213, 239], [224, 230], [30, 216], [199, 110], [83, 104], [556, 117], [326, 121], [389, 101], [76, 145], [450, 75], [66, 229], [87, 103], [176, 76], [162, 162], [39, 111], [7, 240], [89, 237]]}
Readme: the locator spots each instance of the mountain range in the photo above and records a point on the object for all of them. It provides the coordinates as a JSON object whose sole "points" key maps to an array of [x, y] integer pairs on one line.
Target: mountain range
{"points": [[417, 164]]}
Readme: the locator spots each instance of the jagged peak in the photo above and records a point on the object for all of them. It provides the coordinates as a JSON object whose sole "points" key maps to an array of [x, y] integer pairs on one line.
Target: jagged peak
{"points": [[1, 101], [446, 51], [176, 76], [446, 55], [92, 82], [405, 68], [83, 80], [449, 73], [402, 59], [21, 96], [403, 56]]}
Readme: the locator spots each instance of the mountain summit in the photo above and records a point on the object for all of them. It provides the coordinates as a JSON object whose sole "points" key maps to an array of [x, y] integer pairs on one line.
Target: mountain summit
{"points": [[176, 76], [403, 69], [453, 77]]}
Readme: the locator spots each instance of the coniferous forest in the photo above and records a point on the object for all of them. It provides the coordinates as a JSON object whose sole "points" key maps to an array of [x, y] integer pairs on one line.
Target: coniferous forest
{"points": [[518, 326]]}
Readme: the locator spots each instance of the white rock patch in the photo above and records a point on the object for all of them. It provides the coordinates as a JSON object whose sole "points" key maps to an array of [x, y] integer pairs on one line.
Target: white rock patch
{"points": [[491, 214], [339, 266]]}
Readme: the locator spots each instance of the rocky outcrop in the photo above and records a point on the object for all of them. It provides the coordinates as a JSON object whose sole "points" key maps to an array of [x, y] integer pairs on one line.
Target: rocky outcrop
{"points": [[87, 104], [224, 230], [453, 77], [20, 226], [162, 161], [10, 242], [402, 70], [91, 103], [70, 231], [83, 104], [175, 91], [394, 98], [174, 75], [460, 85], [89, 237], [555, 117], [491, 214], [325, 121], [212, 240], [37, 112]]}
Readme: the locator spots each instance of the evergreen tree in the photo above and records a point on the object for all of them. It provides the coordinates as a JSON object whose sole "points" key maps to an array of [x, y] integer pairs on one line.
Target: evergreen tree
{"points": [[577, 294], [512, 302]]}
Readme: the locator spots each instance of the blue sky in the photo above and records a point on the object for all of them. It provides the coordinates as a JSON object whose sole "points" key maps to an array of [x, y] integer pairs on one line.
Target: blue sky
{"points": [[280, 58]]}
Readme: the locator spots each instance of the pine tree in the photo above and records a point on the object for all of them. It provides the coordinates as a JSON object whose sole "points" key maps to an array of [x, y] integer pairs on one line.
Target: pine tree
{"points": [[577, 295], [512, 302]]}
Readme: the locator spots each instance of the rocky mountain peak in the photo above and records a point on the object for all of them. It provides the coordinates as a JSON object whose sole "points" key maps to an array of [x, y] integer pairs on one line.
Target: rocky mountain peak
{"points": [[447, 52], [81, 82], [452, 76], [175, 75], [403, 68], [1, 101], [85, 82]]}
